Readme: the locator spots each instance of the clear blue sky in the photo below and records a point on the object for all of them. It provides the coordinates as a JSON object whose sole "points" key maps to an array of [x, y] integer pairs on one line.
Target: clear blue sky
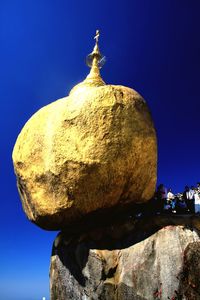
{"points": [[151, 46]]}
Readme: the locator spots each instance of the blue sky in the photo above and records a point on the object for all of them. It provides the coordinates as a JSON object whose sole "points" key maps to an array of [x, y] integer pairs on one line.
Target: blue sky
{"points": [[151, 46]]}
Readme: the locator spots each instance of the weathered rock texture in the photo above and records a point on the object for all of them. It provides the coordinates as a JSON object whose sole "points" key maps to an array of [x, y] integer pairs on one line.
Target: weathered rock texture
{"points": [[92, 150], [164, 266], [190, 283]]}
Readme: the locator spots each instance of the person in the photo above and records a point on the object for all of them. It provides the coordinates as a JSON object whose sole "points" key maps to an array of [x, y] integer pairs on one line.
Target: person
{"points": [[163, 191], [198, 188], [167, 206], [171, 199], [197, 198], [161, 197], [191, 198], [170, 195], [188, 196], [197, 202], [181, 206]]}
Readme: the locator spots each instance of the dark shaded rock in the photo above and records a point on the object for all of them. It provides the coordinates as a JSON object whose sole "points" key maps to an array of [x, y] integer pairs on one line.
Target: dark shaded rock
{"points": [[102, 266], [119, 222]]}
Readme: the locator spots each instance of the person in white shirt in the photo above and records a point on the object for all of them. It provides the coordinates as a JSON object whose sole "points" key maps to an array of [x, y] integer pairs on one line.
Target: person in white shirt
{"points": [[197, 200], [171, 199], [170, 195], [188, 196]]}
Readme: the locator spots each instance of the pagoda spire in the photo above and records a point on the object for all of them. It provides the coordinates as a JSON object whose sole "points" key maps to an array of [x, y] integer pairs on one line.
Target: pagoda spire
{"points": [[95, 60]]}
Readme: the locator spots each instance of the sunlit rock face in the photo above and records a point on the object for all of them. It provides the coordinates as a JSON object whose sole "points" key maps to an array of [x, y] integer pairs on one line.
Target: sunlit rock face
{"points": [[94, 149]]}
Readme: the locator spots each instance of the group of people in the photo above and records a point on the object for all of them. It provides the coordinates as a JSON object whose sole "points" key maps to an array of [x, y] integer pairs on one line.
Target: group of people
{"points": [[186, 202]]}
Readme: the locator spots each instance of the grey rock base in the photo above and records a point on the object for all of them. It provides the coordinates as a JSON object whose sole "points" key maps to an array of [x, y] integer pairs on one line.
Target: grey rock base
{"points": [[100, 265]]}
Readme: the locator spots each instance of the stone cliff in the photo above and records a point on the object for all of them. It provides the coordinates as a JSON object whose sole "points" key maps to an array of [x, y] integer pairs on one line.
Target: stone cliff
{"points": [[133, 260]]}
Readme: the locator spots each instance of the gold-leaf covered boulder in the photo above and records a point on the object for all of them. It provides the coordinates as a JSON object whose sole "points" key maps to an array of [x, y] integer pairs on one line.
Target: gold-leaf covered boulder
{"points": [[92, 150]]}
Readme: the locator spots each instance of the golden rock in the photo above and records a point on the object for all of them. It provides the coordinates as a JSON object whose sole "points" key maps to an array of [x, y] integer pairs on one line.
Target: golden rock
{"points": [[92, 150]]}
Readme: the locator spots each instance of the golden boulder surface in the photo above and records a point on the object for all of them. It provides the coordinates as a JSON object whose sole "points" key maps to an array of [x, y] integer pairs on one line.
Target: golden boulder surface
{"points": [[92, 150]]}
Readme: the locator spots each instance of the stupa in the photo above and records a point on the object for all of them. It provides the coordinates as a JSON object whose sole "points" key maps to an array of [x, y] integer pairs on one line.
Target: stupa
{"points": [[93, 150]]}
